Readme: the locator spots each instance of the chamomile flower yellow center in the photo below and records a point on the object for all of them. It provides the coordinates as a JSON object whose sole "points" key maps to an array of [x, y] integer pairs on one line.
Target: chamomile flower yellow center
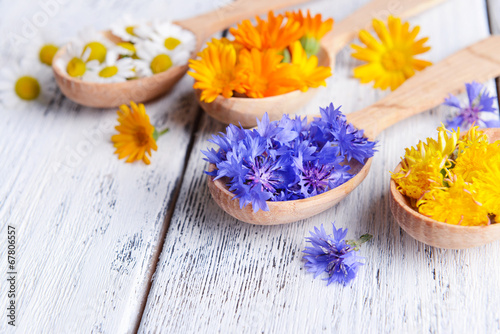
{"points": [[27, 88], [76, 67], [160, 63], [130, 30], [47, 53], [97, 51], [171, 43], [108, 71], [127, 45]]}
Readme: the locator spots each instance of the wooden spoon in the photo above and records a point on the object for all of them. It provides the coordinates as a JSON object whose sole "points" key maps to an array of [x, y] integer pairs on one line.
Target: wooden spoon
{"points": [[421, 92], [108, 95], [245, 111], [435, 233]]}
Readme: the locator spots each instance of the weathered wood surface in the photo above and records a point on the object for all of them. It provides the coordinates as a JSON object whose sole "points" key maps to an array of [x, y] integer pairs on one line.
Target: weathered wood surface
{"points": [[217, 274], [90, 227]]}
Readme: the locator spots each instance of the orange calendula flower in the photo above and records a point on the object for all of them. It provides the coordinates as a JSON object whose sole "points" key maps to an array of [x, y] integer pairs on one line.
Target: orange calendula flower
{"points": [[270, 34], [262, 74], [310, 73], [314, 30], [215, 71], [136, 136], [391, 58]]}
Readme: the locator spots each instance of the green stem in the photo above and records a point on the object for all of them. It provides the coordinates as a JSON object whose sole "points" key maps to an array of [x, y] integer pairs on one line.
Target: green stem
{"points": [[157, 134], [163, 132], [357, 243]]}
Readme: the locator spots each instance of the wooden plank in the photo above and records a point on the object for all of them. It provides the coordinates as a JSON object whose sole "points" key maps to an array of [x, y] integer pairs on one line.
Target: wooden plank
{"points": [[89, 227], [217, 274]]}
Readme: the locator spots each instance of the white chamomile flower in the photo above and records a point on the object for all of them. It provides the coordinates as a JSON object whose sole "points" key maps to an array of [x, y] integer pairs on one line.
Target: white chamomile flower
{"points": [[171, 36], [21, 86], [125, 49], [155, 59], [95, 42], [42, 49], [126, 27], [111, 71], [75, 61]]}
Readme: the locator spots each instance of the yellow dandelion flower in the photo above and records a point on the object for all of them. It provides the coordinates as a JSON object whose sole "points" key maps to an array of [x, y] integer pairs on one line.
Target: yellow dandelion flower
{"points": [[215, 71], [137, 137], [425, 167], [421, 177], [314, 29], [310, 73], [391, 59], [487, 187], [262, 74], [473, 138], [446, 143], [270, 34], [454, 205], [473, 161]]}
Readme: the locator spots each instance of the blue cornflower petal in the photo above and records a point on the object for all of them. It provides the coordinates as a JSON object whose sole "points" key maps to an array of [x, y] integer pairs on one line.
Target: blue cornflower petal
{"points": [[455, 122], [266, 128], [331, 254], [452, 101], [212, 156], [492, 123], [479, 101], [473, 90]]}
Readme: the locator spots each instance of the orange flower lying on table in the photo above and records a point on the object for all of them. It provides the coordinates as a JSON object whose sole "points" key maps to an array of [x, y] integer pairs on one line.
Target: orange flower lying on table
{"points": [[137, 136], [274, 57]]}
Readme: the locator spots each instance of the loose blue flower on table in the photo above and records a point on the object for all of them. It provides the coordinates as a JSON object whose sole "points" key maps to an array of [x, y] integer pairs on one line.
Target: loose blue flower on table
{"points": [[479, 102], [288, 159], [334, 255]]}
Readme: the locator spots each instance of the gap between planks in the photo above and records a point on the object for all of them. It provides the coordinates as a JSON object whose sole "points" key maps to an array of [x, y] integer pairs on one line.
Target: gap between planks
{"points": [[170, 212], [168, 219]]}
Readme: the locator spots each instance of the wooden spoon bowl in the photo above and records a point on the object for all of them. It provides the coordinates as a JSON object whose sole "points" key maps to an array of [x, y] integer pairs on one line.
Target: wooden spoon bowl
{"points": [[245, 111], [435, 233], [421, 92], [287, 211], [109, 95]]}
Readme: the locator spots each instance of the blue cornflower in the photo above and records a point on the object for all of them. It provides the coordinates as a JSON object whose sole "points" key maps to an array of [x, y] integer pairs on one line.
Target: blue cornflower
{"points": [[479, 101], [333, 255], [288, 159], [317, 176], [337, 131]]}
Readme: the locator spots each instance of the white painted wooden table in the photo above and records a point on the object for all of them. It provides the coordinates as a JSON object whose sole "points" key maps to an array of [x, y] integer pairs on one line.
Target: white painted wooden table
{"points": [[108, 247]]}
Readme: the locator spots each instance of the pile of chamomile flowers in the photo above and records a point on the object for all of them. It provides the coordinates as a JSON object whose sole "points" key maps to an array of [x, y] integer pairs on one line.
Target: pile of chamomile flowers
{"points": [[289, 159], [130, 50]]}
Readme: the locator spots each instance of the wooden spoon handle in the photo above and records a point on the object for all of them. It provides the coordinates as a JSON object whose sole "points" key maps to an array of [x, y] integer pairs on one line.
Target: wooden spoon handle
{"points": [[427, 89], [347, 30], [209, 23]]}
